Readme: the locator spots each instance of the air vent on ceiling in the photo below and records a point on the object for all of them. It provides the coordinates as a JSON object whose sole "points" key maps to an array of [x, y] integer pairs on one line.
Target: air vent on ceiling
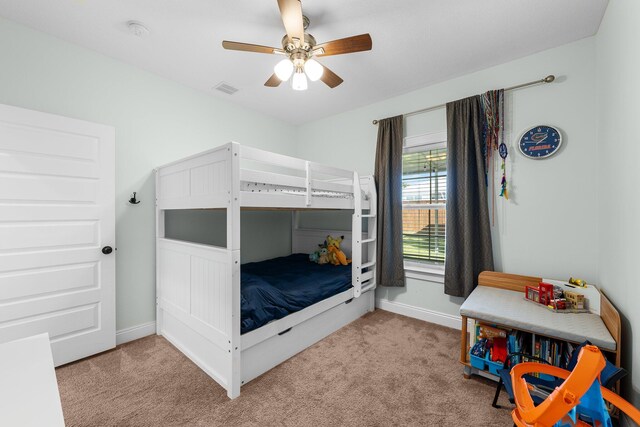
{"points": [[228, 89]]}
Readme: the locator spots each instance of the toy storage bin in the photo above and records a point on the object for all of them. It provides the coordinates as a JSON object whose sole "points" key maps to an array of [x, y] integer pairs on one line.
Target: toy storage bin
{"points": [[493, 366], [478, 362]]}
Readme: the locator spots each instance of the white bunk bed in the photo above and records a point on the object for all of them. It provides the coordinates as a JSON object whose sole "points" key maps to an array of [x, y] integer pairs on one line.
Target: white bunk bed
{"points": [[198, 286]]}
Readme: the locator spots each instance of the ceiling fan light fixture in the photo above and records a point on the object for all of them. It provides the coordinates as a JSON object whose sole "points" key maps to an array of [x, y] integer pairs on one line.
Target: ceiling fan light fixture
{"points": [[313, 69], [283, 69], [300, 47], [299, 81]]}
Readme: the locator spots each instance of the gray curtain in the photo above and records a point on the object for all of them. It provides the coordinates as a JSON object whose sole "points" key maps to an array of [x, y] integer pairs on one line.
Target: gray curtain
{"points": [[388, 176], [468, 233]]}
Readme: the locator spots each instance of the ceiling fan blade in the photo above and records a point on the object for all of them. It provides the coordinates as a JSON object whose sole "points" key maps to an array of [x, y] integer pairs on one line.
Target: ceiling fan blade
{"points": [[330, 78], [291, 12], [347, 45], [273, 81], [247, 47]]}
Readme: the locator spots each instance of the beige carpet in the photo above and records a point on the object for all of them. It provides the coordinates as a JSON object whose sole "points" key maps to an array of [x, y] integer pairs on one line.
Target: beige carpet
{"points": [[381, 370]]}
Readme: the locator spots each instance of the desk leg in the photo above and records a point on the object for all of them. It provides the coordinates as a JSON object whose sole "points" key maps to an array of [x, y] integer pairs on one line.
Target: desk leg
{"points": [[464, 346], [466, 373]]}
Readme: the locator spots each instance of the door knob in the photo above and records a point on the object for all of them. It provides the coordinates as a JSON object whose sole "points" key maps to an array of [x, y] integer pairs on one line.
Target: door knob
{"points": [[107, 250]]}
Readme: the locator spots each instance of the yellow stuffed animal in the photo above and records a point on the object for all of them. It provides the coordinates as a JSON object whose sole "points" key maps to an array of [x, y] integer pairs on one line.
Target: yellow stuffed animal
{"points": [[336, 256]]}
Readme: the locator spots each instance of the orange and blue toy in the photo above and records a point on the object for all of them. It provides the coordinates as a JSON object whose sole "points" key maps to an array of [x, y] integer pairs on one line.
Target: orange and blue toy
{"points": [[578, 402]]}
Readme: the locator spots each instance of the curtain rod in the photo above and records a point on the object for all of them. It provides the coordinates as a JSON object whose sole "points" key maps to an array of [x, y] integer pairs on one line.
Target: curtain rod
{"points": [[547, 79]]}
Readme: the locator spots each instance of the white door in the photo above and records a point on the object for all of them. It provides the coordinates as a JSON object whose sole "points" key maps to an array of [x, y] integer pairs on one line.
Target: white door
{"points": [[57, 227]]}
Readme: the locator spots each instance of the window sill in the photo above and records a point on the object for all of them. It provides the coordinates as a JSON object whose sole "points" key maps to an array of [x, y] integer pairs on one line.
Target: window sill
{"points": [[424, 271]]}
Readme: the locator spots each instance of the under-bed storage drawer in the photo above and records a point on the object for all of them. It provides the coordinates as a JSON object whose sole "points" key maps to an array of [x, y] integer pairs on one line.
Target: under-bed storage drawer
{"points": [[263, 356]]}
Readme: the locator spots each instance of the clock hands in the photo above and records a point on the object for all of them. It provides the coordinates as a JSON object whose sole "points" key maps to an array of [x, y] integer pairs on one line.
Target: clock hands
{"points": [[539, 137], [545, 137]]}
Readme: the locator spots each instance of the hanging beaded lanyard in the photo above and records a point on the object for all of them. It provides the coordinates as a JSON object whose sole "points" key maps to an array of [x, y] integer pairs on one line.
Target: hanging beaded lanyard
{"points": [[504, 153], [502, 150]]}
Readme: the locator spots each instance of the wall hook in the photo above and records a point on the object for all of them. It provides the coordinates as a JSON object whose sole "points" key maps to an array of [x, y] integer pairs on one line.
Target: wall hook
{"points": [[133, 199]]}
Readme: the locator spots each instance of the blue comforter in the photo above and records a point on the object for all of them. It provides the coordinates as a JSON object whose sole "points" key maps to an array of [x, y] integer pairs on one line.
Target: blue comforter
{"points": [[274, 288]]}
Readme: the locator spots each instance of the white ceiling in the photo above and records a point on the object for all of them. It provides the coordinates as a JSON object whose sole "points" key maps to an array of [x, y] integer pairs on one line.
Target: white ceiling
{"points": [[415, 42]]}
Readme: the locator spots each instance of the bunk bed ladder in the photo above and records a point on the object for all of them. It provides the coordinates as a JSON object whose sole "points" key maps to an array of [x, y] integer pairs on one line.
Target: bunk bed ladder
{"points": [[363, 273]]}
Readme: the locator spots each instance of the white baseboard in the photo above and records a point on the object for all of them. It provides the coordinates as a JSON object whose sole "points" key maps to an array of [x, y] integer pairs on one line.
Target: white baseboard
{"points": [[431, 316], [135, 332]]}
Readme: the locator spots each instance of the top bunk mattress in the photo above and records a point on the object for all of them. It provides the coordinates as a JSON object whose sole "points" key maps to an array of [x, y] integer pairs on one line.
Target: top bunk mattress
{"points": [[277, 287], [260, 187]]}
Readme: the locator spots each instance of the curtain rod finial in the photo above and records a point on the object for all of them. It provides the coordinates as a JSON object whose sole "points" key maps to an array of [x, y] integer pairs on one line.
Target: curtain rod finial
{"points": [[549, 78], [375, 122]]}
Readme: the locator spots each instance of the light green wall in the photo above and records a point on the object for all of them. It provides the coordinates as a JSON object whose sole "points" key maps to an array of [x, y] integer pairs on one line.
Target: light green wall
{"points": [[263, 234], [156, 121], [326, 220], [549, 226], [208, 227], [618, 59]]}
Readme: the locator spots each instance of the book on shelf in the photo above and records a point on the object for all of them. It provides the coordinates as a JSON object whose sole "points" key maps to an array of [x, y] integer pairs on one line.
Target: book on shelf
{"points": [[556, 352]]}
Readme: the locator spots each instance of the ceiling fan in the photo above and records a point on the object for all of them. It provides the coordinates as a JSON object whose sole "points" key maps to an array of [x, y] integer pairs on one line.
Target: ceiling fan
{"points": [[300, 48]]}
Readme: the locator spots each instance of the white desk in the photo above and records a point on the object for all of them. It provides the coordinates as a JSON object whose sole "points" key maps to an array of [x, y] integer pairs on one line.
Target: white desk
{"points": [[28, 386], [499, 299], [508, 308]]}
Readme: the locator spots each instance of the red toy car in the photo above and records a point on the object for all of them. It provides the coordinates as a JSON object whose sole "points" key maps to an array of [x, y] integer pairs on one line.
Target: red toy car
{"points": [[559, 304]]}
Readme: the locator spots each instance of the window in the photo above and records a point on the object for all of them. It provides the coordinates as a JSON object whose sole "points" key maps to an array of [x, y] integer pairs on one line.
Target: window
{"points": [[424, 195]]}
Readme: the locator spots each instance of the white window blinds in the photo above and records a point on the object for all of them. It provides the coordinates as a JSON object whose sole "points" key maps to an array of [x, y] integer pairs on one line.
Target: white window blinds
{"points": [[424, 185]]}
